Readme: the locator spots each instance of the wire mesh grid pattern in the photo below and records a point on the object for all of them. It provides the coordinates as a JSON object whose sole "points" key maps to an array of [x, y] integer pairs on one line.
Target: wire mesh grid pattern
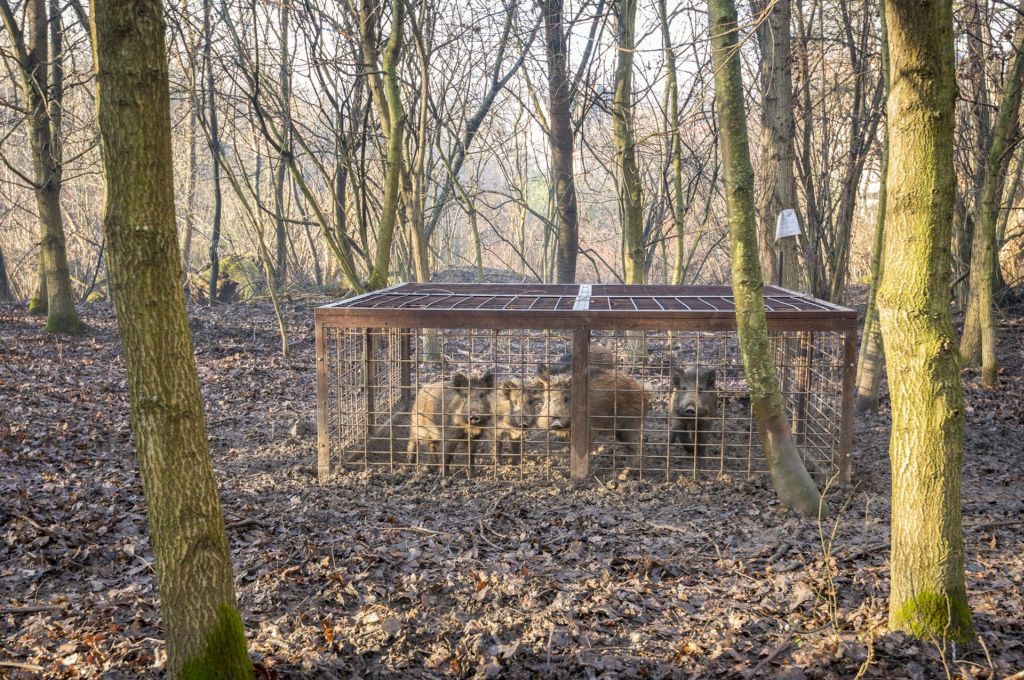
{"points": [[503, 392]]}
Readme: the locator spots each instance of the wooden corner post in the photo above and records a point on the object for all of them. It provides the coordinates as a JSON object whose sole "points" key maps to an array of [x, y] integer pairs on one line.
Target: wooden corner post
{"points": [[323, 451], [846, 416], [579, 456]]}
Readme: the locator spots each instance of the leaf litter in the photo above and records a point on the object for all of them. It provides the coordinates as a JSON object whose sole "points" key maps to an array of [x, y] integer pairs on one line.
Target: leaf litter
{"points": [[374, 575]]}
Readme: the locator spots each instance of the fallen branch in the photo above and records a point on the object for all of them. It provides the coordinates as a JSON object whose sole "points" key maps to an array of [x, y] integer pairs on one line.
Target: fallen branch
{"points": [[756, 670], [32, 609], [21, 666], [250, 522]]}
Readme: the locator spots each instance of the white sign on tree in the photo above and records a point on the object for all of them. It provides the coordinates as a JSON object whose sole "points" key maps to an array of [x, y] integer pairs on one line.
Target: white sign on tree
{"points": [[787, 224]]}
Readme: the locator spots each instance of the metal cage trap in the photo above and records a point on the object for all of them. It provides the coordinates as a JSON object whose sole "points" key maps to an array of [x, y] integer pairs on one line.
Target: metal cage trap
{"points": [[515, 380]]}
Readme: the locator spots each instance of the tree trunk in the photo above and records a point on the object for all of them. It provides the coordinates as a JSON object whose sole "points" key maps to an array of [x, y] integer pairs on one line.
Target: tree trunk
{"points": [[5, 284], [38, 53], [37, 303], [393, 164], [675, 146], [190, 195], [979, 338], [629, 187], [872, 358], [927, 597], [560, 140], [778, 184], [200, 618], [280, 272], [214, 132], [792, 482]]}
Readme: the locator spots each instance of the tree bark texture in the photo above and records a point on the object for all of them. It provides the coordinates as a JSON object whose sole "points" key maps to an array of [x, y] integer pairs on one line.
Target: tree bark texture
{"points": [[927, 593], [792, 482], [204, 631]]}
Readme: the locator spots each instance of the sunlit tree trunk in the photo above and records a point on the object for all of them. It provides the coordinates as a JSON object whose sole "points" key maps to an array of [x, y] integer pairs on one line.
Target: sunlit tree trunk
{"points": [[190, 194], [872, 359], [927, 596], [394, 124], [628, 181], [979, 338], [778, 184], [201, 622], [40, 62], [792, 482], [560, 141]]}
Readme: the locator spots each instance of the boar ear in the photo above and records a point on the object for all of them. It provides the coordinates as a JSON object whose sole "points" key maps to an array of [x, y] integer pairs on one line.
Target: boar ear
{"points": [[487, 379], [709, 378], [543, 373], [507, 387], [460, 380]]}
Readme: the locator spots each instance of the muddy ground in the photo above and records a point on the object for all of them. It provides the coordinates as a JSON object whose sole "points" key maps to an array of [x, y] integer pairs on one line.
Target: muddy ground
{"points": [[377, 576]]}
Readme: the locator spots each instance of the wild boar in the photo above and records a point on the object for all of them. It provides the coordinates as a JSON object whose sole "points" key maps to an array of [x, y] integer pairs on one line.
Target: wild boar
{"points": [[694, 407], [618, 404], [601, 358], [455, 412], [514, 404]]}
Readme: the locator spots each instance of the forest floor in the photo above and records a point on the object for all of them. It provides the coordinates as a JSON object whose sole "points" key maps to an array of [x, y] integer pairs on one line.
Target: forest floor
{"points": [[413, 576]]}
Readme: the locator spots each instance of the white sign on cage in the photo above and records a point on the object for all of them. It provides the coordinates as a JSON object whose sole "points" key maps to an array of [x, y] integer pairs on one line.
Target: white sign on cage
{"points": [[787, 224]]}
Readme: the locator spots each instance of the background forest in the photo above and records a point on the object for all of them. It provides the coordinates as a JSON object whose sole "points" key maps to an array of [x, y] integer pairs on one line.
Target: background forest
{"points": [[504, 157]]}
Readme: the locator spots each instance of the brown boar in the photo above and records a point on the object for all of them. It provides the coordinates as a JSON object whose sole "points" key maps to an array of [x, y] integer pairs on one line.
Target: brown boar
{"points": [[513, 415], [601, 358], [454, 412], [694, 407], [618, 404]]}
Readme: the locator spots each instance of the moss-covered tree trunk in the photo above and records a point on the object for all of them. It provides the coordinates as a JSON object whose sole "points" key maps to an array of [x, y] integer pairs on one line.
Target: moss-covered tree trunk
{"points": [[628, 185], [393, 164], [204, 631], [792, 482], [871, 360], [978, 341], [560, 140], [40, 66], [927, 594]]}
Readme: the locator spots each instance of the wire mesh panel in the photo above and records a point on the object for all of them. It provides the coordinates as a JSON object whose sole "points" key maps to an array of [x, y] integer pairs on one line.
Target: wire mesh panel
{"points": [[572, 381]]}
